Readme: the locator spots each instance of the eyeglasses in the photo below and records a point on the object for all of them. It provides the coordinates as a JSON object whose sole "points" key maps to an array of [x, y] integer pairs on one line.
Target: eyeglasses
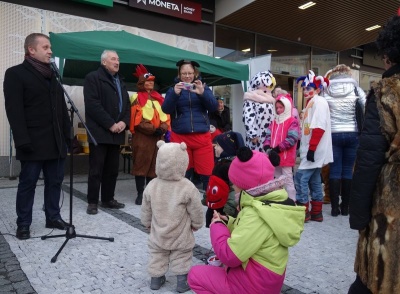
{"points": [[187, 74]]}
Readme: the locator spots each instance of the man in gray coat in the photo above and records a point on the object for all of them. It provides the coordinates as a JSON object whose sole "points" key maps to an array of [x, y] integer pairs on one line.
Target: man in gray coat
{"points": [[38, 116], [107, 110]]}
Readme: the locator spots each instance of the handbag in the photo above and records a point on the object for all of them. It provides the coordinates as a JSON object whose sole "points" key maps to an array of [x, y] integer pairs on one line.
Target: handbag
{"points": [[359, 113]]}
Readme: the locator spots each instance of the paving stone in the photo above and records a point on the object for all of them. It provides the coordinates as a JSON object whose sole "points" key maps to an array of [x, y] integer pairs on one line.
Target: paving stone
{"points": [[99, 266]]}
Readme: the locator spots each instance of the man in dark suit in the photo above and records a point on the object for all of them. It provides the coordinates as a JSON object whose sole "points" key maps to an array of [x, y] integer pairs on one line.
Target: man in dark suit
{"points": [[108, 111], [39, 120]]}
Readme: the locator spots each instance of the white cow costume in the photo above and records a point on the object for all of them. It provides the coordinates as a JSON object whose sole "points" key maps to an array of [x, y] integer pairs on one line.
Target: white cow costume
{"points": [[258, 109]]}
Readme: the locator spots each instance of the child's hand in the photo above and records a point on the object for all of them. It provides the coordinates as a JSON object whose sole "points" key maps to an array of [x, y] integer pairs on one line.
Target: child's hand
{"points": [[218, 217]]}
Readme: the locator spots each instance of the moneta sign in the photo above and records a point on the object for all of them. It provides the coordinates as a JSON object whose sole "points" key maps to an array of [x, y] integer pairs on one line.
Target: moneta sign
{"points": [[176, 8]]}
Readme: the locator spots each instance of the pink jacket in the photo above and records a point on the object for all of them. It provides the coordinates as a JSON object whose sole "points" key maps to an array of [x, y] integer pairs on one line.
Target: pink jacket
{"points": [[285, 135]]}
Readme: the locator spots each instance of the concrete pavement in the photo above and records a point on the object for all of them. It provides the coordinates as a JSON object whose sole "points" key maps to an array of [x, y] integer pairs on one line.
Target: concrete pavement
{"points": [[322, 262]]}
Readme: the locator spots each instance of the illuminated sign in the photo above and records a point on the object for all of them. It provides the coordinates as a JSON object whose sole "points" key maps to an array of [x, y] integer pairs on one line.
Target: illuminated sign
{"points": [[103, 3], [181, 9]]}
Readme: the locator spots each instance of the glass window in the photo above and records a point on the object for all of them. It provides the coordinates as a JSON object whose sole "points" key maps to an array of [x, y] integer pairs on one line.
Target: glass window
{"points": [[286, 57], [322, 61], [233, 45]]}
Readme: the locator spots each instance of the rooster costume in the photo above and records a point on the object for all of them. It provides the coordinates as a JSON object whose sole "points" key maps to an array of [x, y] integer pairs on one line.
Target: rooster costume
{"points": [[148, 125]]}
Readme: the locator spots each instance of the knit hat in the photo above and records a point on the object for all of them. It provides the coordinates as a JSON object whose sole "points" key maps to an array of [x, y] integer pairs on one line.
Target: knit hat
{"points": [[311, 80], [230, 142], [250, 169]]}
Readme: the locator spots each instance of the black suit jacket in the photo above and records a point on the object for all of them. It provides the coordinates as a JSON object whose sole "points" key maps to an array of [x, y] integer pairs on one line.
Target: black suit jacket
{"points": [[37, 113], [102, 107]]}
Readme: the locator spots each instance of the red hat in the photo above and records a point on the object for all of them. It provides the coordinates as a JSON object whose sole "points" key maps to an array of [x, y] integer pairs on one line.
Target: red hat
{"points": [[217, 192]]}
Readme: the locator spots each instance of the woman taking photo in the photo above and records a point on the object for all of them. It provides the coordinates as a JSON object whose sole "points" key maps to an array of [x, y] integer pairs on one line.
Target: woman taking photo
{"points": [[188, 103]]}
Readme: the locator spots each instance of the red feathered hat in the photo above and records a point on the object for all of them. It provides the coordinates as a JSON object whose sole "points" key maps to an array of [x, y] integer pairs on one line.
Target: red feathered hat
{"points": [[143, 75]]}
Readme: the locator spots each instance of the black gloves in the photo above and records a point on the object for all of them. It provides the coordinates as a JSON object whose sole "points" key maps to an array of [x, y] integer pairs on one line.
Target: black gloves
{"points": [[310, 155], [276, 149], [27, 148], [158, 132], [268, 147], [274, 158]]}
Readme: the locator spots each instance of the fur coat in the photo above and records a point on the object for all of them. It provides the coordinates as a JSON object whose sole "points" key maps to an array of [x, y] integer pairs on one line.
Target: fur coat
{"points": [[378, 258]]}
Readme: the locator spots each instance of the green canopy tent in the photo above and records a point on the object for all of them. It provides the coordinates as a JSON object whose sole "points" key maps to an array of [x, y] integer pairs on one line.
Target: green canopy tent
{"points": [[81, 52]]}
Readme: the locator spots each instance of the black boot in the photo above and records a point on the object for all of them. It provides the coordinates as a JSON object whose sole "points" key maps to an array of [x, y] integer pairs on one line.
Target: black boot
{"points": [[346, 187], [140, 181], [334, 191], [358, 287]]}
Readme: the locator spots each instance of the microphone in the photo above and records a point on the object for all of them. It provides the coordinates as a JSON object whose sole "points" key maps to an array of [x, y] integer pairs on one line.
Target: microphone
{"points": [[54, 67]]}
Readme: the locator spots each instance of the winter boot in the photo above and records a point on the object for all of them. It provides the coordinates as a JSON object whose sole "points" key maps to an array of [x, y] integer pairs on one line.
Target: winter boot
{"points": [[140, 181], [156, 283], [139, 198], [346, 187], [316, 211], [334, 191], [307, 212], [182, 285]]}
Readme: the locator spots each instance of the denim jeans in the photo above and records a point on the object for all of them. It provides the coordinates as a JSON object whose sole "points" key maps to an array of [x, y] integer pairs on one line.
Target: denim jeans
{"points": [[53, 172], [306, 179], [344, 147]]}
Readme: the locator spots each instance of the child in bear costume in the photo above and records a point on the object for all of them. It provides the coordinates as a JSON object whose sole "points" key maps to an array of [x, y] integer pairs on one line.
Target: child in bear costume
{"points": [[171, 208], [258, 109]]}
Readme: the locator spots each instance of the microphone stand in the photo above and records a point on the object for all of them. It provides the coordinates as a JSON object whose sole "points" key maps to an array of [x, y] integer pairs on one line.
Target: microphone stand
{"points": [[70, 232]]}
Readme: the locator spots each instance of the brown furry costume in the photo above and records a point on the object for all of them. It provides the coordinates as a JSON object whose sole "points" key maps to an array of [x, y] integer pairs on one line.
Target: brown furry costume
{"points": [[378, 254], [172, 209]]}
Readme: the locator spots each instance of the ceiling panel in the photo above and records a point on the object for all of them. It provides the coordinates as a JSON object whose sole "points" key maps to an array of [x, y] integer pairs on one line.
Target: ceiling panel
{"points": [[334, 25]]}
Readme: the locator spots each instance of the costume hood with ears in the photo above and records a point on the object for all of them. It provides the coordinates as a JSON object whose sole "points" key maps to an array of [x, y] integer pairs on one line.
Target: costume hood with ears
{"points": [[311, 80], [172, 161], [261, 86], [143, 75], [264, 80]]}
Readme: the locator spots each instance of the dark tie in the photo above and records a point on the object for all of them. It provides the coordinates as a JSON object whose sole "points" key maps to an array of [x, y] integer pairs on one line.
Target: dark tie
{"points": [[116, 81]]}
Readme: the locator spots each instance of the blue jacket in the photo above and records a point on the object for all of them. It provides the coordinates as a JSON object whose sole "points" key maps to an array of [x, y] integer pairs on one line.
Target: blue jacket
{"points": [[189, 111]]}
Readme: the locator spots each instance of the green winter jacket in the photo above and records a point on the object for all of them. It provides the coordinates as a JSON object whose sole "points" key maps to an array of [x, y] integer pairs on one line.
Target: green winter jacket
{"points": [[266, 231]]}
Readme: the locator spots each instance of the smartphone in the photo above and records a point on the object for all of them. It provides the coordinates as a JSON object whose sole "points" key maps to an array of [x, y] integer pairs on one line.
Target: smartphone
{"points": [[189, 86]]}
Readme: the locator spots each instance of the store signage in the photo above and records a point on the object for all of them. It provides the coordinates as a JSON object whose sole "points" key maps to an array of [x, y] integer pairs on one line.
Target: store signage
{"points": [[176, 8], [104, 3]]}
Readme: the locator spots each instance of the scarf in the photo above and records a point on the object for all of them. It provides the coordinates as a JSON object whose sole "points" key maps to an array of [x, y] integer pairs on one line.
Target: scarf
{"points": [[43, 68]]}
